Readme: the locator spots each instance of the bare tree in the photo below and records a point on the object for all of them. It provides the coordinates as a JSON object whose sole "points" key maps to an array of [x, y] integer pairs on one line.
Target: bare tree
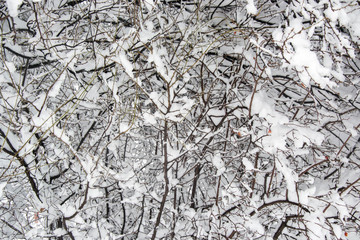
{"points": [[179, 119]]}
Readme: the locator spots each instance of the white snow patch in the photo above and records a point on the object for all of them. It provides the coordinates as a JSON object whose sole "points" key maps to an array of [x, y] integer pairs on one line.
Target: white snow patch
{"points": [[123, 127], [354, 22], [314, 222], [248, 165], [94, 193], [10, 66], [306, 135], [290, 176], [337, 230], [155, 56], [277, 35], [67, 210], [190, 213], [149, 4], [216, 115], [13, 6], [126, 64], [219, 164], [304, 195], [187, 106], [159, 100], [340, 205], [250, 7], [264, 106], [60, 133], [113, 148], [351, 125], [277, 139], [173, 153], [2, 186], [149, 118], [239, 49], [304, 60], [54, 91], [43, 120], [60, 232], [255, 225]]}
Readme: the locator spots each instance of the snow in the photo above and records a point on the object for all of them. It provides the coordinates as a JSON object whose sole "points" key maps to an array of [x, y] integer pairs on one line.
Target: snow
{"points": [[113, 147], [43, 120], [113, 87], [54, 91], [248, 165], [60, 134], [159, 100], [239, 49], [250, 7], [264, 106], [67, 210], [216, 115], [301, 56], [156, 57], [306, 135], [126, 64], [149, 118], [337, 13], [314, 222], [149, 4], [304, 195], [339, 204], [95, 193], [172, 153], [286, 123], [2, 186], [350, 125], [290, 176], [13, 6], [60, 232], [219, 164], [147, 32], [277, 35], [255, 225], [354, 23], [10, 66], [337, 230], [305, 60], [276, 140]]}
